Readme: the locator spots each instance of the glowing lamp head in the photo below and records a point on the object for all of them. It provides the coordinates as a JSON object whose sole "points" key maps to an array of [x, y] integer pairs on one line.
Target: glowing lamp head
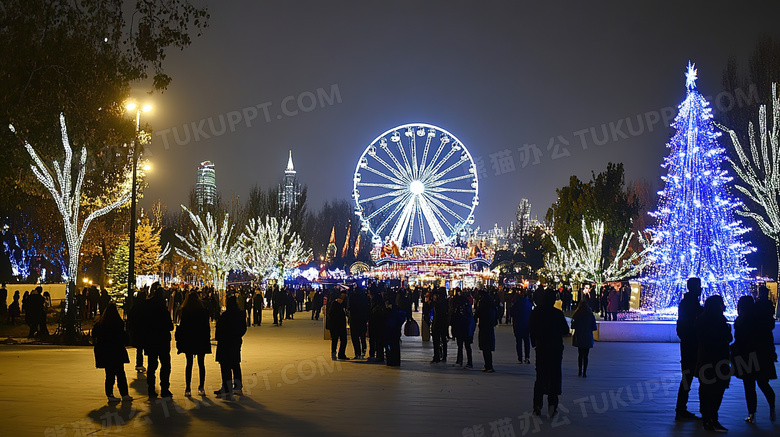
{"points": [[131, 106], [416, 187]]}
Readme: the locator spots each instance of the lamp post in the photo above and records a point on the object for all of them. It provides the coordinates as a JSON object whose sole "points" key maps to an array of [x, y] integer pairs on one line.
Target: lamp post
{"points": [[131, 263]]}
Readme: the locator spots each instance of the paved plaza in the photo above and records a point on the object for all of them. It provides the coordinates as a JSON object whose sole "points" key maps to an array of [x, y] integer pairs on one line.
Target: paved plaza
{"points": [[293, 388]]}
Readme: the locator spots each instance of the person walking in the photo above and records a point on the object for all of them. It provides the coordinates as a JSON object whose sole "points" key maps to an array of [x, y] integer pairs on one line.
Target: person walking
{"points": [[687, 313], [157, 327], [547, 326], [257, 308], [193, 339], [583, 322], [440, 326], [463, 326], [754, 356], [336, 322], [316, 305], [486, 319], [520, 312], [279, 305], [110, 339], [229, 331], [712, 361]]}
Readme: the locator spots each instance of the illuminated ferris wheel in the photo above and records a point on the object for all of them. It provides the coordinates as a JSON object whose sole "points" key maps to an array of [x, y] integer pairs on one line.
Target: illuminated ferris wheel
{"points": [[415, 184]]}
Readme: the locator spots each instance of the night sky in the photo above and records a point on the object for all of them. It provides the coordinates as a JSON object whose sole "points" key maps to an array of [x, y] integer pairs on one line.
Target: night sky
{"points": [[497, 77]]}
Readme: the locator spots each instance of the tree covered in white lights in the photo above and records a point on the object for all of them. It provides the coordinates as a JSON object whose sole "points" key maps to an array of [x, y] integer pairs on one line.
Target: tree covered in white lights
{"points": [[586, 261], [67, 197], [759, 173], [269, 246], [213, 245], [696, 234]]}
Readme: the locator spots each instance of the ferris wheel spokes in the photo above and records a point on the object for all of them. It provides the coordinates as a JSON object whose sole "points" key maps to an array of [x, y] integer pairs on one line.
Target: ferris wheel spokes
{"points": [[389, 178], [441, 205], [443, 197], [429, 137], [398, 207], [435, 226]]}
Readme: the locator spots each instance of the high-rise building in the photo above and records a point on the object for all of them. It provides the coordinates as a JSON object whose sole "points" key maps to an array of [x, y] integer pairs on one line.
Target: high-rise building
{"points": [[206, 185], [289, 188]]}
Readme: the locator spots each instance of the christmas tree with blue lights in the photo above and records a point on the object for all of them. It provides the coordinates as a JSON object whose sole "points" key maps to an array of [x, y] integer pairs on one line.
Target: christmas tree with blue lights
{"points": [[695, 234]]}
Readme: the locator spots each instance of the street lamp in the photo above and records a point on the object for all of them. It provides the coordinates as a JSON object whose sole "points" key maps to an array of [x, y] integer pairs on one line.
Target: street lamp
{"points": [[131, 263]]}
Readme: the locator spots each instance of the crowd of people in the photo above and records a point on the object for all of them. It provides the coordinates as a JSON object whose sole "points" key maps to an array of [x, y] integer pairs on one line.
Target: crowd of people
{"points": [[33, 305], [375, 317], [708, 354]]}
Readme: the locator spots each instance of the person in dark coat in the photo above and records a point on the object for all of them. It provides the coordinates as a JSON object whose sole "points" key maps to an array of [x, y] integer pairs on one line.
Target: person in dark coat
{"points": [[257, 308], [463, 326], [104, 300], [316, 305], [94, 298], [14, 310], [358, 322], [291, 304], [3, 301], [486, 318], [36, 314], [230, 327], [583, 322], [440, 325], [279, 305], [753, 356], [547, 326], [300, 294], [520, 312], [193, 339], [688, 311], [135, 328], [613, 304], [376, 327], [336, 322], [157, 327], [712, 360], [110, 339], [395, 320]]}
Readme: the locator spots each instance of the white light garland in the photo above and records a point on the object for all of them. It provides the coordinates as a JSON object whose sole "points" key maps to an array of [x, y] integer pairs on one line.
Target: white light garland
{"points": [[68, 201], [268, 246], [760, 174], [585, 261], [212, 245]]}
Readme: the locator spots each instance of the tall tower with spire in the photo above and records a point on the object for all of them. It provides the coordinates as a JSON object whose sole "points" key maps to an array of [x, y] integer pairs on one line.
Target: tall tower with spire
{"points": [[289, 189]]}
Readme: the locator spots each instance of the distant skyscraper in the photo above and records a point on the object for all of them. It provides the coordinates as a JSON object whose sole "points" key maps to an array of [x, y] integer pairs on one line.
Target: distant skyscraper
{"points": [[289, 188], [206, 185]]}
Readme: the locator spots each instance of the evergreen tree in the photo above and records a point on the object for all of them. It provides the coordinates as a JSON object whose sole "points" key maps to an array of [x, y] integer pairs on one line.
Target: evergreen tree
{"points": [[696, 234]]}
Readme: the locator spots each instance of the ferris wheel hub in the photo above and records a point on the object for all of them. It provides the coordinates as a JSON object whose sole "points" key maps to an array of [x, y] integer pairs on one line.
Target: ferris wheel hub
{"points": [[417, 187]]}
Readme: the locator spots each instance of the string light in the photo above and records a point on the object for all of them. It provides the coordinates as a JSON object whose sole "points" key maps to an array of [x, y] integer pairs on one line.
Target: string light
{"points": [[761, 176], [269, 246], [586, 262], [212, 245], [68, 201], [695, 234]]}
